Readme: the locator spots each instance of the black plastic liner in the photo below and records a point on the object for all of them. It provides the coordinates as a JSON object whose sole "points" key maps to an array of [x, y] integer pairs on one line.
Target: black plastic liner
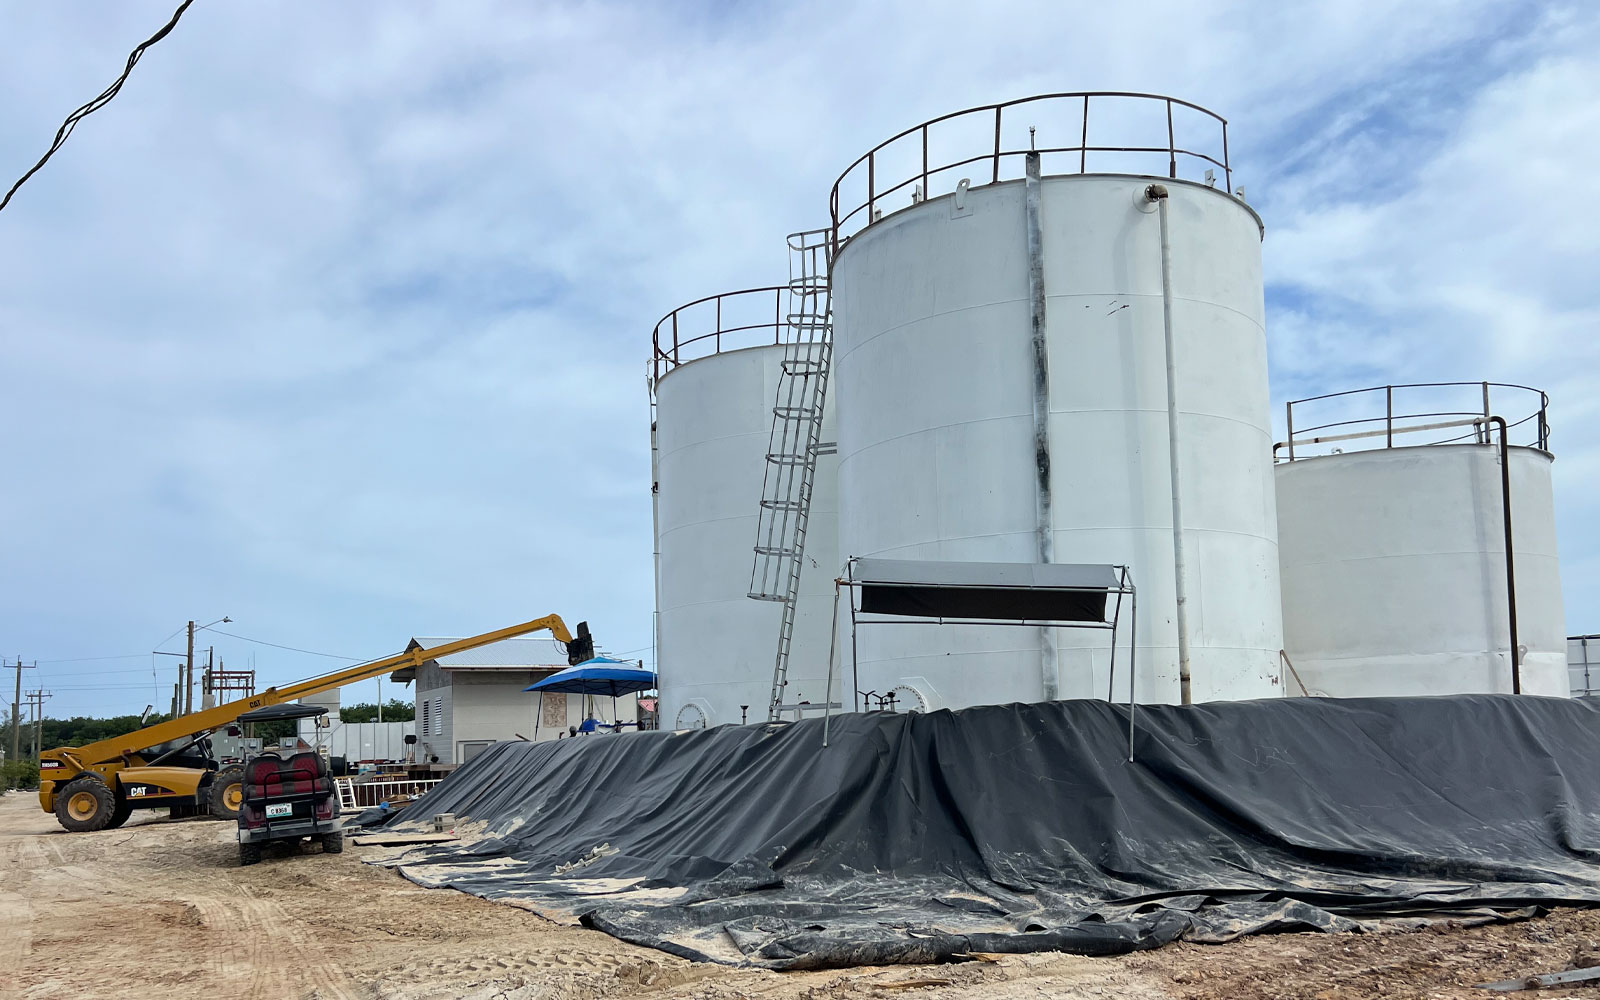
{"points": [[1020, 828]]}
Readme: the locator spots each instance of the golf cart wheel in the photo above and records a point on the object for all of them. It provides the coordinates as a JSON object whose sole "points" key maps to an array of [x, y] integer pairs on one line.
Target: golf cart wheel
{"points": [[227, 793], [249, 854], [85, 804], [333, 843]]}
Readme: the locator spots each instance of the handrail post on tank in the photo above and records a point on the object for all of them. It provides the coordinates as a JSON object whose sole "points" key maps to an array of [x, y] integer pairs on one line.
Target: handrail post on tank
{"points": [[1172, 144], [872, 185], [1083, 143], [1388, 416], [997, 112], [1485, 413], [1227, 164], [925, 191], [1290, 408]]}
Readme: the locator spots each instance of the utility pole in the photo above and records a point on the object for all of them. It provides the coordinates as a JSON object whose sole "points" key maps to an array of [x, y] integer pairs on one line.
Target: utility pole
{"points": [[16, 711], [36, 700], [187, 704]]}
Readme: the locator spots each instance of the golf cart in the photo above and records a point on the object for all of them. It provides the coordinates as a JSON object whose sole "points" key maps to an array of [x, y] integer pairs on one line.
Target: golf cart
{"points": [[287, 796]]}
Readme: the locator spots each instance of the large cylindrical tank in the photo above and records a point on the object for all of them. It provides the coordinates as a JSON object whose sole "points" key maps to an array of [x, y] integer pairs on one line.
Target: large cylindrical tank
{"points": [[1394, 571], [935, 385], [717, 366]]}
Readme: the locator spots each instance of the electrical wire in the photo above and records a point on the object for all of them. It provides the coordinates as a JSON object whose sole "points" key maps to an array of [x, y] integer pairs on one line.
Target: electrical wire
{"points": [[292, 649], [99, 102]]}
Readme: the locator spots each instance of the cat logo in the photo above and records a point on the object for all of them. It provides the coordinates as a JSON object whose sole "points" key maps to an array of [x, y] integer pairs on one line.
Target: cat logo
{"points": [[134, 791]]}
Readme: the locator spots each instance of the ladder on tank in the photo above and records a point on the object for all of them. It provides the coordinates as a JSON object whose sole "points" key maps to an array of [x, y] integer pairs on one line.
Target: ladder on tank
{"points": [[796, 442]]}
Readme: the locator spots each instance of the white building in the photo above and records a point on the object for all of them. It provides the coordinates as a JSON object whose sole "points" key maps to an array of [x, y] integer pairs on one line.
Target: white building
{"points": [[469, 700]]}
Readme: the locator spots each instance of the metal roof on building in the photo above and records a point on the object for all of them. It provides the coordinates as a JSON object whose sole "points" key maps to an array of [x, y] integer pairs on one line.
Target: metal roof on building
{"points": [[521, 654]]}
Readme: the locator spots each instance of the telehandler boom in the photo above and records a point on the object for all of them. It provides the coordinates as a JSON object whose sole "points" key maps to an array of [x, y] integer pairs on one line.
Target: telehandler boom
{"points": [[98, 786]]}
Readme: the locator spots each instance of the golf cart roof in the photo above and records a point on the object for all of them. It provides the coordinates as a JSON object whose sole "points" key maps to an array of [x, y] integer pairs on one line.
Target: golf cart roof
{"points": [[289, 710]]}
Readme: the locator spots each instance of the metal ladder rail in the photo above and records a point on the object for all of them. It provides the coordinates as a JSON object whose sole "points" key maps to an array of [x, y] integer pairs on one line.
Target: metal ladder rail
{"points": [[795, 410], [797, 414], [796, 421], [806, 370]]}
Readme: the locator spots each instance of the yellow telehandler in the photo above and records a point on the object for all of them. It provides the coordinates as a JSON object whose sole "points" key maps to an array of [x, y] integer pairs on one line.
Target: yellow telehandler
{"points": [[97, 787]]}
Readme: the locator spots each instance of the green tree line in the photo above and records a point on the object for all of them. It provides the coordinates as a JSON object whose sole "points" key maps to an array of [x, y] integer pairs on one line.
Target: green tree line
{"points": [[394, 710]]}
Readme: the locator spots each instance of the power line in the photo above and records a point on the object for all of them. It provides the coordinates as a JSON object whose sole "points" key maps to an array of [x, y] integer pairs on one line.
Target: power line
{"points": [[292, 649], [91, 659], [96, 104]]}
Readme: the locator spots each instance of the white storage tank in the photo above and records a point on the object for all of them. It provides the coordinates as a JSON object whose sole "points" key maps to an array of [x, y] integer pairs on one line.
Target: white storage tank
{"points": [[934, 365], [1392, 541], [716, 370]]}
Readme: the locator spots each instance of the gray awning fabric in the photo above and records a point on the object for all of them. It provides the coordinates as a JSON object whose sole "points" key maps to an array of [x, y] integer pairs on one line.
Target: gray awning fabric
{"points": [[1067, 592]]}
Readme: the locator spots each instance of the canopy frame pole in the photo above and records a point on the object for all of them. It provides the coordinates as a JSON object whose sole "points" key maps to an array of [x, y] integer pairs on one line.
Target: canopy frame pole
{"points": [[833, 644]]}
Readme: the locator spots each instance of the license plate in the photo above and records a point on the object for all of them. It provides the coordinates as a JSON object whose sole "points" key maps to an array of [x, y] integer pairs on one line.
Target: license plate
{"points": [[280, 809]]}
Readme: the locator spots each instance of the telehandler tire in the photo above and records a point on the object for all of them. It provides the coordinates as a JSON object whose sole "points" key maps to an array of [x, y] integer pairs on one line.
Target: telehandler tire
{"points": [[120, 814], [85, 805], [227, 793]]}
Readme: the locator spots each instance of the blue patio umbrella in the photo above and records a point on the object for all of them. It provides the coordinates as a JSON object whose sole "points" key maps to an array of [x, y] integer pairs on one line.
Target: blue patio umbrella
{"points": [[601, 675]]}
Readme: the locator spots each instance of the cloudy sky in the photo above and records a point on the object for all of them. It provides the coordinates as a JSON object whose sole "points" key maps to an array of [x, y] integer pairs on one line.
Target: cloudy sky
{"points": [[336, 320]]}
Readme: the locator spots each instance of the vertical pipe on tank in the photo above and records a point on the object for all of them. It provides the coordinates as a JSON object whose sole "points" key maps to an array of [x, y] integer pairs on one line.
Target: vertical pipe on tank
{"points": [[1158, 194], [1041, 413], [655, 535], [1511, 565]]}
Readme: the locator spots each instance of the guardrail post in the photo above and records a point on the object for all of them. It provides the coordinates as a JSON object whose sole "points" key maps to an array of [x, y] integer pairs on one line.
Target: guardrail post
{"points": [[872, 186], [1227, 166], [1290, 408], [1388, 416], [1083, 143], [1172, 143], [997, 145], [925, 191]]}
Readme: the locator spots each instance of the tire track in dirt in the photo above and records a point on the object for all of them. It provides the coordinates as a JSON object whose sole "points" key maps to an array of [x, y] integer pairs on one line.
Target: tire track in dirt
{"points": [[269, 952], [16, 941]]}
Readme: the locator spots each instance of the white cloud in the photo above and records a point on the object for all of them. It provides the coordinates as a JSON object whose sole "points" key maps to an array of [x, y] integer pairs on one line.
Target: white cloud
{"points": [[337, 322]]}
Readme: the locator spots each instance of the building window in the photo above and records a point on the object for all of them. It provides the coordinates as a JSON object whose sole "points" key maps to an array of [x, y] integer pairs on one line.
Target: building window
{"points": [[438, 714]]}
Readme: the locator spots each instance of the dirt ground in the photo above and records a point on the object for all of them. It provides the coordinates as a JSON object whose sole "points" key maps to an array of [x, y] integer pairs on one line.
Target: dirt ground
{"points": [[162, 909]]}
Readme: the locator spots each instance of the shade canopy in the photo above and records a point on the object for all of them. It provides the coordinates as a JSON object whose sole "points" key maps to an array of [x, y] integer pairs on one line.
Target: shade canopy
{"points": [[601, 675], [287, 710], [1063, 592]]}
